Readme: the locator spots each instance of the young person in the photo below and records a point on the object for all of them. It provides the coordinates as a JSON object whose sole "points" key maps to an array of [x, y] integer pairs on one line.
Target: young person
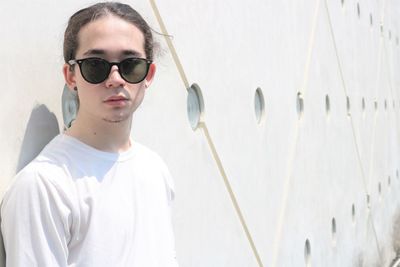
{"points": [[94, 197]]}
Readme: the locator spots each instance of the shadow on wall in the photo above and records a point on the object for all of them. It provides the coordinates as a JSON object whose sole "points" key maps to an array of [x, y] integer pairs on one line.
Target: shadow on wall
{"points": [[42, 127]]}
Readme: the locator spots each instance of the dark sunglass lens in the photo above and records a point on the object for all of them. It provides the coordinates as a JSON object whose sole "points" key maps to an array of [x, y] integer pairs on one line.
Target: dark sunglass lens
{"points": [[134, 70], [95, 70]]}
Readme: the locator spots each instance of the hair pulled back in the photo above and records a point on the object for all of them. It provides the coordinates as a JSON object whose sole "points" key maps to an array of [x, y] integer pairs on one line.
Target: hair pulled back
{"points": [[99, 10]]}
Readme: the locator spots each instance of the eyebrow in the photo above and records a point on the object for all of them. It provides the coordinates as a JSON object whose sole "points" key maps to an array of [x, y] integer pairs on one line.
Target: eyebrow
{"points": [[101, 52]]}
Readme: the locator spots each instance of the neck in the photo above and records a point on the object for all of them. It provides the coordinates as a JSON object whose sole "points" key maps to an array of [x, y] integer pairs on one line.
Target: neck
{"points": [[101, 134]]}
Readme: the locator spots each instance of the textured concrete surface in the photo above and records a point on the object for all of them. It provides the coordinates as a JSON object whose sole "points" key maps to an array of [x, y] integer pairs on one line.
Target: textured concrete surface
{"points": [[318, 187]]}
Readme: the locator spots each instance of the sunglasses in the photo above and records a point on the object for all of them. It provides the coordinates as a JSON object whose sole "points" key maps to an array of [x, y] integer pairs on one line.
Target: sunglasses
{"points": [[96, 70]]}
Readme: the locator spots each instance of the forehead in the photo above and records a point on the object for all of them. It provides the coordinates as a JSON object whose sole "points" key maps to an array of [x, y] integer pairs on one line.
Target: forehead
{"points": [[111, 35]]}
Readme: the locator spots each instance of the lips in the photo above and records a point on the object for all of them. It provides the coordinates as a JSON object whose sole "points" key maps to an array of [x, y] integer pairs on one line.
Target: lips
{"points": [[116, 100]]}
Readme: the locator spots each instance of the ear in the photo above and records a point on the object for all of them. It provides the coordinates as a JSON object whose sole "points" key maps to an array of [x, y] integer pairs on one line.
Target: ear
{"points": [[150, 75], [69, 76]]}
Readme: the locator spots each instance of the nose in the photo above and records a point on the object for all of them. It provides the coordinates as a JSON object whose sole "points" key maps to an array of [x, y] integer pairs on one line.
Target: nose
{"points": [[114, 78]]}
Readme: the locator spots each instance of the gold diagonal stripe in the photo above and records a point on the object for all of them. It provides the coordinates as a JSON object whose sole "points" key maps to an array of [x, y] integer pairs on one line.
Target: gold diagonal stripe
{"points": [[231, 194], [170, 45], [203, 126]]}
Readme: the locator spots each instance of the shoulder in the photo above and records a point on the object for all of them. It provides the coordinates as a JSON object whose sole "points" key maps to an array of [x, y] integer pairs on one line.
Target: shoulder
{"points": [[42, 178], [34, 195]]}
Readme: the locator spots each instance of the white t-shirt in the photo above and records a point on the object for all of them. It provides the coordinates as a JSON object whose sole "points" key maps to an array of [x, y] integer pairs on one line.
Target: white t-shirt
{"points": [[77, 206]]}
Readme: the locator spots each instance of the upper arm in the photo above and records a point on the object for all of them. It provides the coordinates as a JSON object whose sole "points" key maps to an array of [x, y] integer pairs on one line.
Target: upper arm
{"points": [[35, 221]]}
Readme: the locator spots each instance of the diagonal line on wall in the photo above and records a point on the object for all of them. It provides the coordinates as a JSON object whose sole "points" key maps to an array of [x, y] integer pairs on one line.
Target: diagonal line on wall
{"points": [[169, 43], [394, 93], [346, 94], [292, 151], [352, 124], [230, 191], [391, 83], [211, 145]]}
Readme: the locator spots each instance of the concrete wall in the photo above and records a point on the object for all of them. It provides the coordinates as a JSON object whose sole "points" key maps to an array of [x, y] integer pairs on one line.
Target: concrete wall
{"points": [[290, 190]]}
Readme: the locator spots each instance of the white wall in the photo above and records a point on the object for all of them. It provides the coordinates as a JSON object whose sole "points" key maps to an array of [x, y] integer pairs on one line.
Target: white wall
{"points": [[248, 194]]}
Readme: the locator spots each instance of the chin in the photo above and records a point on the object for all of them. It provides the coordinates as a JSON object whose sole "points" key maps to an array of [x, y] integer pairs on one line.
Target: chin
{"points": [[116, 119]]}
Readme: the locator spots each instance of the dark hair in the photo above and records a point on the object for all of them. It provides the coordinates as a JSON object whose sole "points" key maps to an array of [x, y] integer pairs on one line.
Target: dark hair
{"points": [[99, 10]]}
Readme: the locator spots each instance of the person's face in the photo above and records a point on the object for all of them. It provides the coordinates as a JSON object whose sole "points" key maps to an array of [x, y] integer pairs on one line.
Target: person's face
{"points": [[113, 100]]}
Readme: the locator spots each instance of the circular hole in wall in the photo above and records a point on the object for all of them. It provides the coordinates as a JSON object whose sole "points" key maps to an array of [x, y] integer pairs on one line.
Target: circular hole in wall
{"points": [[259, 105], [348, 105], [363, 104], [300, 104], [195, 105], [358, 10], [353, 214], [327, 105], [371, 22], [333, 230], [307, 253], [380, 190]]}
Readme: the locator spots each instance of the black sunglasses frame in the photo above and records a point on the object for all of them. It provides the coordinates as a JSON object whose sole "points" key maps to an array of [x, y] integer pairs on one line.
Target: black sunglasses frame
{"points": [[109, 66]]}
